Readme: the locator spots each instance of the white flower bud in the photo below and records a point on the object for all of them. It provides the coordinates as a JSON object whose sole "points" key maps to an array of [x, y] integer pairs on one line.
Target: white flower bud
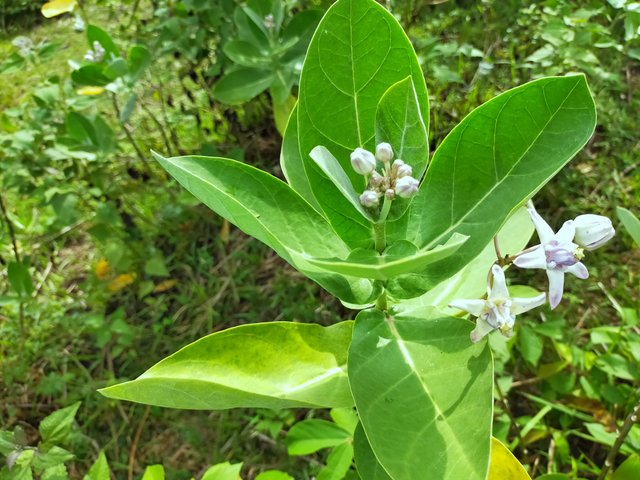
{"points": [[404, 171], [384, 152], [376, 179], [363, 161], [390, 194], [406, 186], [369, 198], [592, 231], [78, 24], [89, 57]]}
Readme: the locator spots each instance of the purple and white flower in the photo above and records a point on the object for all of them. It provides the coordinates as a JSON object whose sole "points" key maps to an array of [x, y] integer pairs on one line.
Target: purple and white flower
{"points": [[499, 310]]}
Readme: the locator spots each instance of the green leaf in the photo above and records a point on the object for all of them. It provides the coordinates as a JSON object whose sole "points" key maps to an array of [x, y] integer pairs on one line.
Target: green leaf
{"points": [[138, 61], [630, 222], [116, 68], [345, 417], [51, 458], [59, 472], [20, 279], [223, 471], [269, 210], [298, 34], [471, 281], [554, 476], [399, 258], [90, 75], [266, 365], [423, 391], [366, 461], [334, 171], [400, 122], [274, 475], [504, 466], [249, 30], [246, 54], [282, 112], [100, 469], [530, 344], [629, 470], [22, 468], [55, 428], [129, 108], [7, 442], [309, 436], [96, 34], [492, 162], [358, 52], [241, 85], [338, 463], [153, 472], [81, 130], [618, 366]]}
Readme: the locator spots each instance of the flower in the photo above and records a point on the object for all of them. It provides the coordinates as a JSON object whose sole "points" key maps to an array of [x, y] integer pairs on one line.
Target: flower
{"points": [[384, 152], [406, 186], [499, 310], [593, 231], [405, 170], [557, 254], [369, 198], [363, 161]]}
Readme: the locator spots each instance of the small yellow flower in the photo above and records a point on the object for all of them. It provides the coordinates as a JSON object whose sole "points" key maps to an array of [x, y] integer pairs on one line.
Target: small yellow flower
{"points": [[102, 269], [121, 281]]}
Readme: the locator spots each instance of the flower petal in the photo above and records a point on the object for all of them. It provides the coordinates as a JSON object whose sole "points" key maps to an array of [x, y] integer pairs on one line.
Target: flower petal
{"points": [[474, 307], [536, 258], [521, 305], [578, 270], [499, 287], [556, 285], [482, 330], [545, 232], [567, 232]]}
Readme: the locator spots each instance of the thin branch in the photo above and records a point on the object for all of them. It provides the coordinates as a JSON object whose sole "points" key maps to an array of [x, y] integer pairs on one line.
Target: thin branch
{"points": [[136, 439], [622, 436], [127, 132]]}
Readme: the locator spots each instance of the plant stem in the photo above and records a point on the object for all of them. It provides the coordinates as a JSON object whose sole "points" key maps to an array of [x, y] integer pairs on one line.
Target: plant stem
{"points": [[16, 254], [379, 227], [622, 435], [133, 143], [155, 120]]}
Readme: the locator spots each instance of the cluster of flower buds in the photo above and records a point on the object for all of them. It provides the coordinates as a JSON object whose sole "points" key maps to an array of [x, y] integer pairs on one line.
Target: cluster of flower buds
{"points": [[269, 22], [97, 54], [78, 24], [395, 178], [558, 253], [24, 45]]}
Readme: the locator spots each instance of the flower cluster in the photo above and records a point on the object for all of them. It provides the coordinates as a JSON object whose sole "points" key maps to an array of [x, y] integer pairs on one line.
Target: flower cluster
{"points": [[558, 253], [24, 45], [97, 54], [395, 178]]}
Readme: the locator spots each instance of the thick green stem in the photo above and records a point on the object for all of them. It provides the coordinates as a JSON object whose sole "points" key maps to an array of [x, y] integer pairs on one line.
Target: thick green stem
{"points": [[381, 237]]}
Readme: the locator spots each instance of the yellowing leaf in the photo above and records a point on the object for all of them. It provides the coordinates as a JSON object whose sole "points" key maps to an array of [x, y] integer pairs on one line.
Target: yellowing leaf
{"points": [[57, 7], [102, 269], [165, 285], [121, 281], [90, 90], [504, 466]]}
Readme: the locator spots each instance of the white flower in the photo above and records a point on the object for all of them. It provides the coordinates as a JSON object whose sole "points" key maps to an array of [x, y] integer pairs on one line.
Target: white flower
{"points": [[369, 198], [557, 254], [593, 231], [404, 171], [406, 186], [384, 152], [499, 310], [363, 161]]}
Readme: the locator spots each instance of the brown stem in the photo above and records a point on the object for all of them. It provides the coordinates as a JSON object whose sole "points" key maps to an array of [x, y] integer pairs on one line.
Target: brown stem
{"points": [[16, 254], [136, 439], [127, 132], [622, 435], [155, 120]]}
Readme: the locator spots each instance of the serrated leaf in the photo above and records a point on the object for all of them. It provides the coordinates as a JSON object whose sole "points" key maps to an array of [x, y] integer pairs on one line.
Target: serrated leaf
{"points": [[269, 210], [492, 162], [630, 222], [338, 463], [266, 365], [504, 466], [309, 436], [153, 472], [398, 259], [223, 471], [358, 52], [55, 428], [59, 472], [422, 391], [100, 469], [51, 458]]}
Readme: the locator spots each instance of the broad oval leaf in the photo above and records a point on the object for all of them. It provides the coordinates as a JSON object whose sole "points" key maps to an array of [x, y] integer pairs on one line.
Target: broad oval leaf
{"points": [[400, 258], [96, 34], [269, 210], [265, 365], [629, 470], [424, 395], [358, 51], [630, 223], [504, 466], [366, 461], [246, 54], [241, 85], [493, 161], [312, 435], [338, 463]]}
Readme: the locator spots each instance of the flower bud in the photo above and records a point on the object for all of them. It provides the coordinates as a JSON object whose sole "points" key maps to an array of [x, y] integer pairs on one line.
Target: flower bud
{"points": [[384, 152], [593, 231], [363, 161], [390, 194], [376, 179], [404, 171], [406, 186], [369, 198]]}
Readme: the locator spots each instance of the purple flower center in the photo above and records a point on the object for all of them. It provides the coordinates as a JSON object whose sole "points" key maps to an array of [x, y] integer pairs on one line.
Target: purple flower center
{"points": [[559, 255]]}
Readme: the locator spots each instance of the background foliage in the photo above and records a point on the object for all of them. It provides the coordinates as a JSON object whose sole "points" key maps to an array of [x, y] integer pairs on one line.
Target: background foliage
{"points": [[107, 267]]}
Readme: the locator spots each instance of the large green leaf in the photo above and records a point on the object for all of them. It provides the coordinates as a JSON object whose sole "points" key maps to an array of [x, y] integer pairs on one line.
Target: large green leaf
{"points": [[400, 258], [266, 365], [492, 162], [358, 51], [241, 85], [424, 395], [269, 210], [312, 435], [338, 463], [366, 461], [471, 281]]}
